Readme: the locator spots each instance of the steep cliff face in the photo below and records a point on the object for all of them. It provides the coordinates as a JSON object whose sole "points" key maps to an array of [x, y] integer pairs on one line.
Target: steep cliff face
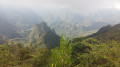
{"points": [[41, 34]]}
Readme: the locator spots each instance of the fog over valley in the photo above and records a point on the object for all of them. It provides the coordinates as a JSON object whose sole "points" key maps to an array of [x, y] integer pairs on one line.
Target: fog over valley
{"points": [[77, 15]]}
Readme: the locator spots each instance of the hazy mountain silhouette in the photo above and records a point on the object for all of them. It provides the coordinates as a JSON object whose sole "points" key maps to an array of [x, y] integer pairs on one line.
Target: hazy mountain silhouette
{"points": [[8, 30], [20, 17]]}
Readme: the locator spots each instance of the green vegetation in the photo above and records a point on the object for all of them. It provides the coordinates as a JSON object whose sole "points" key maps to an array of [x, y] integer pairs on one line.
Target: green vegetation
{"points": [[61, 56], [16, 55], [92, 53], [80, 52]]}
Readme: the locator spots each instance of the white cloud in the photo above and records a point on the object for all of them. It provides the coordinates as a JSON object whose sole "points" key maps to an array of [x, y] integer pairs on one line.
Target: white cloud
{"points": [[84, 6]]}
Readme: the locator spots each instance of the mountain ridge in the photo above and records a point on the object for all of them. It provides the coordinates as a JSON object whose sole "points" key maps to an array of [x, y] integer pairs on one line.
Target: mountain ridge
{"points": [[108, 33]]}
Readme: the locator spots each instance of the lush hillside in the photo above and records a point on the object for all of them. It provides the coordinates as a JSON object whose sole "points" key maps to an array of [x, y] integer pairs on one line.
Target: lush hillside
{"points": [[80, 52], [41, 34], [108, 33], [89, 30]]}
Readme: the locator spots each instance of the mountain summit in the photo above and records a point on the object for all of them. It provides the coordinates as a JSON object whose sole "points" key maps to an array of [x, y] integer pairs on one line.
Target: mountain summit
{"points": [[41, 35]]}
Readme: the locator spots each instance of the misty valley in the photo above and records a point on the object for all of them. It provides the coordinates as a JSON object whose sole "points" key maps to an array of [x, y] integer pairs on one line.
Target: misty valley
{"points": [[53, 36]]}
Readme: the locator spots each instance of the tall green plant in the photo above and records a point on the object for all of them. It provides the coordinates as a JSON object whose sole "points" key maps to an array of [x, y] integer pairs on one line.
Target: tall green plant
{"points": [[61, 55]]}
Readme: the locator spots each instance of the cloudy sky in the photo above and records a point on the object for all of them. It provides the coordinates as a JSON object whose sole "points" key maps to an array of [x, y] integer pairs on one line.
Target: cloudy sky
{"points": [[76, 5]]}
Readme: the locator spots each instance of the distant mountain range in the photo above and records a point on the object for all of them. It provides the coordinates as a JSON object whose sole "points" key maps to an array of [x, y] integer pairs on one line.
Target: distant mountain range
{"points": [[64, 22], [73, 24]]}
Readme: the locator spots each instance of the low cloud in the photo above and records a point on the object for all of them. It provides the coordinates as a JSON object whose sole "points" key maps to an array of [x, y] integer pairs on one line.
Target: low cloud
{"points": [[82, 6]]}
